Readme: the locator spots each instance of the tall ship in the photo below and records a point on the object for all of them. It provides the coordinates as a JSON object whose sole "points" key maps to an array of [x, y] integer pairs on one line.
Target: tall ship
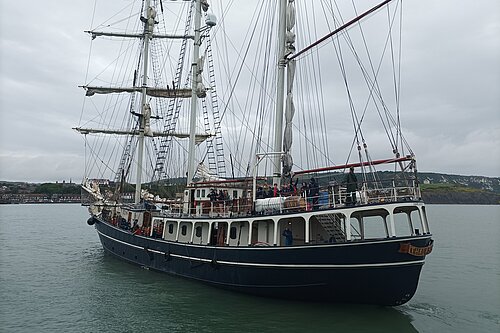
{"points": [[210, 133]]}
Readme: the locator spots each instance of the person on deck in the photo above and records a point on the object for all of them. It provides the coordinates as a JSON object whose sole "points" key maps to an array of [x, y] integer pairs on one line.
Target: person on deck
{"points": [[267, 191], [314, 192], [285, 190], [259, 194], [212, 195], [303, 190], [227, 199], [287, 233], [213, 199], [352, 186], [293, 187], [135, 227], [276, 191], [220, 201]]}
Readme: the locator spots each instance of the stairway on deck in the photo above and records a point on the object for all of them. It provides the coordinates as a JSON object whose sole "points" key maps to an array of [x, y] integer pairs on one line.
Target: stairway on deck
{"points": [[332, 223]]}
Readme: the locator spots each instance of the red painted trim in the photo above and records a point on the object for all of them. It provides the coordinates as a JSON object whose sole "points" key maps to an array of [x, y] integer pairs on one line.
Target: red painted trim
{"points": [[355, 165]]}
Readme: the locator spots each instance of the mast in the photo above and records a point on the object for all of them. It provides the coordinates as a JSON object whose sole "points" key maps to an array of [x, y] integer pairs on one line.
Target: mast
{"points": [[280, 92], [149, 23], [194, 96]]}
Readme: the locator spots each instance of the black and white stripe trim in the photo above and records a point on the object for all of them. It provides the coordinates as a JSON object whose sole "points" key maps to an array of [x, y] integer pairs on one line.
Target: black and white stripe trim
{"points": [[249, 264]]}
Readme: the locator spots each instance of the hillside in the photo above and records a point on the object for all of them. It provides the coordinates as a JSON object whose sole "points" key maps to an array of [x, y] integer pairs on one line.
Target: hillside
{"points": [[437, 188], [490, 184], [457, 189], [457, 194]]}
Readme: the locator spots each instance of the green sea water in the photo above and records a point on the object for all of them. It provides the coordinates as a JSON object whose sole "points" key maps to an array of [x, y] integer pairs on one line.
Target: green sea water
{"points": [[55, 277]]}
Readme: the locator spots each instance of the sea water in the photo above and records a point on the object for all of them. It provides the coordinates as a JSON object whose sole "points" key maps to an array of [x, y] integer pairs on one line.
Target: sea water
{"points": [[55, 277]]}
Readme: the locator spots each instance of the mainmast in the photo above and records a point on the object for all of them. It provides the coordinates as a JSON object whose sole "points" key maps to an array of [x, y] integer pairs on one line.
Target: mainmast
{"points": [[198, 90], [149, 23], [195, 91], [280, 92]]}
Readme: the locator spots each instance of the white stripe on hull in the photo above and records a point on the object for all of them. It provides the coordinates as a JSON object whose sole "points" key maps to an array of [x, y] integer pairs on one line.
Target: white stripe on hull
{"points": [[304, 266]]}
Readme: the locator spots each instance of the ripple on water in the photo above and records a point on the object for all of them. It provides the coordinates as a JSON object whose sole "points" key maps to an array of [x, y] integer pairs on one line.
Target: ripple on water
{"points": [[450, 320], [493, 318], [55, 277], [426, 309]]}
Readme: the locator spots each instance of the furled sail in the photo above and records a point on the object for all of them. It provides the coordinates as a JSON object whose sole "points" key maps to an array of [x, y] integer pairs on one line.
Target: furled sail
{"points": [[204, 173], [154, 92], [287, 161], [94, 34], [198, 137]]}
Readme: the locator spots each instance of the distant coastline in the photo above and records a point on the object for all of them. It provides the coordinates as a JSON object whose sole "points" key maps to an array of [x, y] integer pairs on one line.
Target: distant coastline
{"points": [[456, 189], [460, 197], [45, 193], [436, 188]]}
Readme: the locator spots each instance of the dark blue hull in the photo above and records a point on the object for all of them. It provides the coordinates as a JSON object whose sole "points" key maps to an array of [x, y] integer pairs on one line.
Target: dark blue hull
{"points": [[374, 272]]}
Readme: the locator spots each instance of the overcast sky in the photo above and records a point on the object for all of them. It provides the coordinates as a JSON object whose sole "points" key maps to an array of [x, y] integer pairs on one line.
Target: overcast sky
{"points": [[454, 85]]}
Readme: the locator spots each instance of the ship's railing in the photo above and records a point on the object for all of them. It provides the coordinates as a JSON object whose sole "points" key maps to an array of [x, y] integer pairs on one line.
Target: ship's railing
{"points": [[336, 196], [372, 192], [331, 195], [223, 208]]}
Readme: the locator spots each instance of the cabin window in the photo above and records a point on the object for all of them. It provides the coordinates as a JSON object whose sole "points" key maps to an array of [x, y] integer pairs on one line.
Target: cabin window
{"points": [[417, 223], [203, 193], [402, 224], [374, 227], [232, 233], [184, 230], [198, 231], [171, 228], [197, 193]]}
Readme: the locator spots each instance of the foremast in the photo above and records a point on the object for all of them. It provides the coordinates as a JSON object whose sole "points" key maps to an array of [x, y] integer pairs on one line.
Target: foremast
{"points": [[143, 129]]}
